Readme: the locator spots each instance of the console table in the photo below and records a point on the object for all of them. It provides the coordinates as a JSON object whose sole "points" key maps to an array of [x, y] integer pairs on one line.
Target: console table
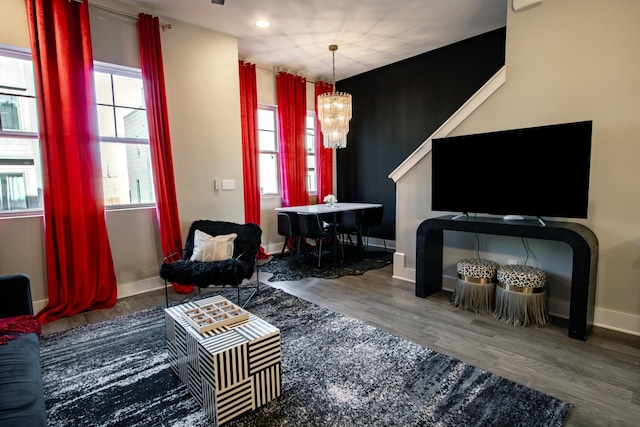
{"points": [[580, 238]]}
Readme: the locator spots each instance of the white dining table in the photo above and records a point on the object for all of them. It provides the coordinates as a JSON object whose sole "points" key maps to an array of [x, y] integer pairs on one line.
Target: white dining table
{"points": [[326, 209], [323, 208]]}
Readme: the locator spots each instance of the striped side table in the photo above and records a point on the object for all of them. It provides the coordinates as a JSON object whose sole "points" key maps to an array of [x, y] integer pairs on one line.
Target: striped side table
{"points": [[230, 370]]}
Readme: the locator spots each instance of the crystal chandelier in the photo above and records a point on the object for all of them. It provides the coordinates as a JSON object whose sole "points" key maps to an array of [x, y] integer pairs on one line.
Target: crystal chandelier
{"points": [[334, 112]]}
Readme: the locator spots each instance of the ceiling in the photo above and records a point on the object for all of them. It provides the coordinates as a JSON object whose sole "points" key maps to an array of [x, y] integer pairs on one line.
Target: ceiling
{"points": [[369, 33]]}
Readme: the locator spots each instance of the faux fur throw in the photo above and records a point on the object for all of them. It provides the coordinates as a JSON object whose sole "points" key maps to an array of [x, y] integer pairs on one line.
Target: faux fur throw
{"points": [[202, 273], [11, 326]]}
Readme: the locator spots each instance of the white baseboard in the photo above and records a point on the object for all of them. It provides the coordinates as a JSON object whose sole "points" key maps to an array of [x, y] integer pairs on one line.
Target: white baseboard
{"points": [[39, 305], [125, 290], [400, 271], [617, 321], [140, 287]]}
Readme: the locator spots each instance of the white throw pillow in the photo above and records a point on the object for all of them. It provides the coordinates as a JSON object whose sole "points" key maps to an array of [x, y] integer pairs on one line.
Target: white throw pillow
{"points": [[212, 248]]}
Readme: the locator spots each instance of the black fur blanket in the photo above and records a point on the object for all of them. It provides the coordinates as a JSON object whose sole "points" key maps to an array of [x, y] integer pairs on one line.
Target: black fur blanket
{"points": [[218, 273]]}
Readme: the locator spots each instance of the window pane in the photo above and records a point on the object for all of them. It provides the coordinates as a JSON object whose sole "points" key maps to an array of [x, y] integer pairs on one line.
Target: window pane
{"points": [[106, 121], [309, 144], [311, 123], [16, 77], [20, 174], [266, 120], [18, 113], [268, 173], [131, 123], [311, 182], [267, 141], [126, 173], [128, 92], [104, 95]]}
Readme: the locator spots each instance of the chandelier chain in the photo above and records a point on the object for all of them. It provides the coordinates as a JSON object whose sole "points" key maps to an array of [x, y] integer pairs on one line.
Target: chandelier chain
{"points": [[334, 70]]}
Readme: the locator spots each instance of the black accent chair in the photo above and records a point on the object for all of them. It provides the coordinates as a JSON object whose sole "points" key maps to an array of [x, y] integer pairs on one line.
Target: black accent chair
{"points": [[228, 272], [289, 227], [372, 218], [311, 228]]}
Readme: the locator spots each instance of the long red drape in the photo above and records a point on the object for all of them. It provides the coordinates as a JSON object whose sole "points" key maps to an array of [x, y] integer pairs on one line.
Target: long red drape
{"points": [[160, 142], [250, 165], [292, 113], [80, 273], [324, 156]]}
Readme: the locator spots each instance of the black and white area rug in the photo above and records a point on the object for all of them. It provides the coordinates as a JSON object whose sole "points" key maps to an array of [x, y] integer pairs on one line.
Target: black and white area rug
{"points": [[336, 371], [354, 263]]}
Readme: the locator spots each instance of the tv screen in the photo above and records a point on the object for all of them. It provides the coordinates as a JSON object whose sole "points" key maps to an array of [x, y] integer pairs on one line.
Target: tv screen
{"points": [[539, 171]]}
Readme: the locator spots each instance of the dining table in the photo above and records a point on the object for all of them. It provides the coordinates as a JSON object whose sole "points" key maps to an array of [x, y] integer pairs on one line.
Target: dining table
{"points": [[331, 210]]}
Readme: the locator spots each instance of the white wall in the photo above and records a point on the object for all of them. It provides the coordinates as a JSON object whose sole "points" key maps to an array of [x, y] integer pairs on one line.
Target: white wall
{"points": [[566, 61]]}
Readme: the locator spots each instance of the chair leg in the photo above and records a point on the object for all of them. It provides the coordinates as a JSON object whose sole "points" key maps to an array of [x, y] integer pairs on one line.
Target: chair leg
{"points": [[166, 293], [320, 252], [284, 246]]}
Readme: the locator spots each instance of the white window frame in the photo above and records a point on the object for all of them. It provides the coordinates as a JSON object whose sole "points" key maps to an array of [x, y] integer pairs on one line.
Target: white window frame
{"points": [[120, 70], [275, 153], [25, 55], [308, 153], [311, 132]]}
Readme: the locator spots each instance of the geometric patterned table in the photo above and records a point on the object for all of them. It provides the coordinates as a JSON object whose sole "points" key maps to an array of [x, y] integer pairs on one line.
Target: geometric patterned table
{"points": [[229, 370]]}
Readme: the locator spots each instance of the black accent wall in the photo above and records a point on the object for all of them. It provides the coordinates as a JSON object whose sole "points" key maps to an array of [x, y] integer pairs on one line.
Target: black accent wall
{"points": [[398, 106]]}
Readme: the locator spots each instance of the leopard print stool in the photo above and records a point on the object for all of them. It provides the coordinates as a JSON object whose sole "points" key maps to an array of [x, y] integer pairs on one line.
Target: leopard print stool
{"points": [[521, 299], [475, 286]]}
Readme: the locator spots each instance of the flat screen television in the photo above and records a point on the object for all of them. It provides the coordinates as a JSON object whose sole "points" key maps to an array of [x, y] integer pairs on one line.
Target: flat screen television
{"points": [[538, 171]]}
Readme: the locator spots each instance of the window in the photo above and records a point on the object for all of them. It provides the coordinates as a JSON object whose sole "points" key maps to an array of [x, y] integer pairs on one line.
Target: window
{"points": [[268, 147], [20, 173], [124, 136], [310, 145], [123, 130]]}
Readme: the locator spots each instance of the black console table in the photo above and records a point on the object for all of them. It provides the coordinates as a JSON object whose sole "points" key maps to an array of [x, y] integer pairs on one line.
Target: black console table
{"points": [[580, 238]]}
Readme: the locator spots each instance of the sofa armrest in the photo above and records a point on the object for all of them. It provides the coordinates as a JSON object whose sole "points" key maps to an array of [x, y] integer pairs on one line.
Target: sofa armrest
{"points": [[15, 295]]}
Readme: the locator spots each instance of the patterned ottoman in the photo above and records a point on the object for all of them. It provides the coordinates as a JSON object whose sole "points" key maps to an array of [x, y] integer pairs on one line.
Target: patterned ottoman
{"points": [[521, 299], [475, 286], [229, 370]]}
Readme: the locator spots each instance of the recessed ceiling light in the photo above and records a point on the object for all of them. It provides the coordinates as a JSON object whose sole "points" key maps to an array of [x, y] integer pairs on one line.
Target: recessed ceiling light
{"points": [[263, 24]]}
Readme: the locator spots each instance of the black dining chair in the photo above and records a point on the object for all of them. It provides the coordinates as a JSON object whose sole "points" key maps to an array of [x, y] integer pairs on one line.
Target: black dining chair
{"points": [[289, 227], [311, 228], [371, 218], [350, 222]]}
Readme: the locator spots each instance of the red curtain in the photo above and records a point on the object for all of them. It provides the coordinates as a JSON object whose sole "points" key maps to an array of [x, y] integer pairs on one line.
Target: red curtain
{"points": [[324, 156], [159, 139], [292, 113], [80, 273], [250, 153]]}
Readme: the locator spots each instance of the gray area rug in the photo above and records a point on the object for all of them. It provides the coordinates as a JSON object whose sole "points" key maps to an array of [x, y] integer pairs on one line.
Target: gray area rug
{"points": [[336, 371], [354, 263]]}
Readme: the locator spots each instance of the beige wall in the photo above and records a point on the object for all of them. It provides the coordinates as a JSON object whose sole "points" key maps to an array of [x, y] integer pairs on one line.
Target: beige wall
{"points": [[566, 61]]}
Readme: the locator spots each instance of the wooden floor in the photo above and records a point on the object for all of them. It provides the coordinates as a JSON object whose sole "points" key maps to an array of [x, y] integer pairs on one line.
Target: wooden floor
{"points": [[601, 376]]}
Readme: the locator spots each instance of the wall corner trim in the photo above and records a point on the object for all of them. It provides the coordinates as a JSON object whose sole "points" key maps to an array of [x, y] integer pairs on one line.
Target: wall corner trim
{"points": [[452, 122]]}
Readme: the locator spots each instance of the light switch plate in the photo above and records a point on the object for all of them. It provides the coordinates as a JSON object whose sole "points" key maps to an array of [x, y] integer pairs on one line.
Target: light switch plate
{"points": [[228, 184]]}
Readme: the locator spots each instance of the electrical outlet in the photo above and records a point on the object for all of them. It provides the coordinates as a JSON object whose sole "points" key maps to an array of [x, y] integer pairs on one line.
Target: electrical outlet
{"points": [[512, 261]]}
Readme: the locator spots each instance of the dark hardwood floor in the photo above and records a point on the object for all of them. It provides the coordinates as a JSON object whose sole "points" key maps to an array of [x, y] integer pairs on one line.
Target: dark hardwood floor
{"points": [[600, 376]]}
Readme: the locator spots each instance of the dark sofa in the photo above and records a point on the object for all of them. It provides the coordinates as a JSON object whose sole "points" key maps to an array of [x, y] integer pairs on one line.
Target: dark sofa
{"points": [[21, 390]]}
